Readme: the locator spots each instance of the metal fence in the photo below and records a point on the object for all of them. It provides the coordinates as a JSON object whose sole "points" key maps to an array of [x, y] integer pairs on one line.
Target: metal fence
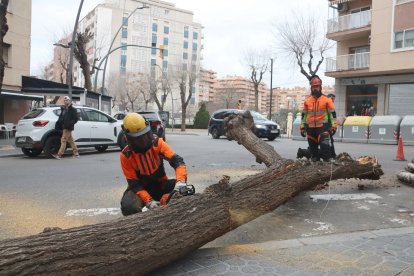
{"points": [[350, 21]]}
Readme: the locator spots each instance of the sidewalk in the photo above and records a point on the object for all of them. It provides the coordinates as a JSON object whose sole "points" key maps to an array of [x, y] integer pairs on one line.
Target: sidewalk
{"points": [[7, 148], [377, 252]]}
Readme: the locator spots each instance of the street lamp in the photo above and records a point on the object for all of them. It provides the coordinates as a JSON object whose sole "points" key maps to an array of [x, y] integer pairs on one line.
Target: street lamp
{"points": [[72, 49], [271, 88], [110, 48]]}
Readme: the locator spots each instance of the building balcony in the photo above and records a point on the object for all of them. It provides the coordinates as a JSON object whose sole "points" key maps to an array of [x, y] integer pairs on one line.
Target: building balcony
{"points": [[349, 26], [353, 64]]}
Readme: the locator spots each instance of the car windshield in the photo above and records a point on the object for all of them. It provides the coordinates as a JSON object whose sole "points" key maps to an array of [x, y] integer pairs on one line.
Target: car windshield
{"points": [[257, 116], [150, 115]]}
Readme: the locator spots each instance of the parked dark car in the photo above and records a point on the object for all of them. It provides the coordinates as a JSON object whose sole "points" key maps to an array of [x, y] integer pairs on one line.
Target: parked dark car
{"points": [[154, 119], [264, 128]]}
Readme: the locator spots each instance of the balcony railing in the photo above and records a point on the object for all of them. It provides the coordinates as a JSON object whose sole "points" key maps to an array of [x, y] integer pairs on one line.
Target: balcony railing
{"points": [[348, 62], [349, 22]]}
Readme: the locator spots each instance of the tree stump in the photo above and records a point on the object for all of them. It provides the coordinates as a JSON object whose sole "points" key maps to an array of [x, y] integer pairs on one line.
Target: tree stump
{"points": [[144, 242]]}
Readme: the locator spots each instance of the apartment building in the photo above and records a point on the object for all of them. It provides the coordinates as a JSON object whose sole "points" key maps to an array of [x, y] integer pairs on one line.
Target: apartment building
{"points": [[374, 65], [137, 35], [293, 98], [208, 81], [230, 89], [16, 54]]}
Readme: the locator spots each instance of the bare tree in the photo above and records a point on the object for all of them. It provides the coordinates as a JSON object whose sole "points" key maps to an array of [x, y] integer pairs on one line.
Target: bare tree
{"points": [[304, 41], [186, 79], [81, 55], [160, 83], [257, 62], [229, 93], [117, 89], [3, 30], [138, 90]]}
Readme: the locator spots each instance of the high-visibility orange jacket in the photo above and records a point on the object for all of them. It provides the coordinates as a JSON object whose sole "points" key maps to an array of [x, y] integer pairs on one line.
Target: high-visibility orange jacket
{"points": [[318, 112], [143, 169]]}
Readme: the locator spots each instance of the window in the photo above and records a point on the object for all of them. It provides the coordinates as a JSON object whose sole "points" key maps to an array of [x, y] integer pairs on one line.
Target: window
{"points": [[165, 52], [124, 21], [404, 39], [154, 27], [153, 51], [194, 57], [96, 116], [185, 55], [123, 61], [194, 46], [153, 61], [124, 48], [165, 41], [164, 64], [6, 49], [195, 35], [124, 32], [154, 40], [186, 31], [166, 30], [185, 45]]}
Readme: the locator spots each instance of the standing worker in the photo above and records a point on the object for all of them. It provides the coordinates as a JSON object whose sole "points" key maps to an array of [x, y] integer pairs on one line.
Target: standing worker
{"points": [[143, 167], [67, 119], [318, 120]]}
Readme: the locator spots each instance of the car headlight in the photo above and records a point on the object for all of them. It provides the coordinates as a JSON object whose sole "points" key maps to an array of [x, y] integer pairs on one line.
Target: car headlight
{"points": [[260, 126]]}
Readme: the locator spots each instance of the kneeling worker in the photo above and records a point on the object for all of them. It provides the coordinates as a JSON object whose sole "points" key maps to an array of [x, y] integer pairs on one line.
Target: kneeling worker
{"points": [[143, 167]]}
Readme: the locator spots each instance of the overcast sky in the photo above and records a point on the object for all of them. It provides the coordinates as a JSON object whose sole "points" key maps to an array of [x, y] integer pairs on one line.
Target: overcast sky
{"points": [[231, 27]]}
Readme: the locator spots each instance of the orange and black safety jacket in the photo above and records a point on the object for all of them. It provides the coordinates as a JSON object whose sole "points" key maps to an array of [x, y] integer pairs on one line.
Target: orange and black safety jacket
{"points": [[143, 169], [318, 112]]}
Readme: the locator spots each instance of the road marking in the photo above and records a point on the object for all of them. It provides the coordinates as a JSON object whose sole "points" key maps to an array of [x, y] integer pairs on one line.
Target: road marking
{"points": [[344, 196], [93, 212]]}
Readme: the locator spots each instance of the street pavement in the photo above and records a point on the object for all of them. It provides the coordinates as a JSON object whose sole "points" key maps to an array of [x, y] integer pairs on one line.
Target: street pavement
{"points": [[387, 251]]}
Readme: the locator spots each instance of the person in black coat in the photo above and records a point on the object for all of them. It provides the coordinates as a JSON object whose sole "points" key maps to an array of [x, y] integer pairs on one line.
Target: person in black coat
{"points": [[67, 119]]}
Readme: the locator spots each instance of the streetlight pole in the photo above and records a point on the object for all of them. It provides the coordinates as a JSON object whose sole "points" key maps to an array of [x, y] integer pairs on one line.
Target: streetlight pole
{"points": [[72, 50], [271, 88], [110, 48]]}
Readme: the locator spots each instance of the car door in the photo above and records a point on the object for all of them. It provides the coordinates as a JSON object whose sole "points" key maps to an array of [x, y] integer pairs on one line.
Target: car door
{"points": [[102, 127], [81, 133]]}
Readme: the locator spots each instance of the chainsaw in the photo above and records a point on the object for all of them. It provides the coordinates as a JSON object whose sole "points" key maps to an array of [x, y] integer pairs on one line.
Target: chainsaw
{"points": [[181, 189]]}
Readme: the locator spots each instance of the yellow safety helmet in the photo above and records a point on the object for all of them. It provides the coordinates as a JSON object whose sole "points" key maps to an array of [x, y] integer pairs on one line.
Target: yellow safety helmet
{"points": [[135, 125]]}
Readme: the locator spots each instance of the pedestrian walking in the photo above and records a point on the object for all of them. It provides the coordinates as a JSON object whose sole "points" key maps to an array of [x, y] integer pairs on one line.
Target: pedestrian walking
{"points": [[67, 119]]}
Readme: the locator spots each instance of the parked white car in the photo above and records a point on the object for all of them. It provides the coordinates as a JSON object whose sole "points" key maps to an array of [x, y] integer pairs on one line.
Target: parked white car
{"points": [[36, 131]]}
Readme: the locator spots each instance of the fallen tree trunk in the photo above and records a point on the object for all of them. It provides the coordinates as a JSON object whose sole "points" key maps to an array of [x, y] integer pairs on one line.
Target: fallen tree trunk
{"points": [[143, 242]]}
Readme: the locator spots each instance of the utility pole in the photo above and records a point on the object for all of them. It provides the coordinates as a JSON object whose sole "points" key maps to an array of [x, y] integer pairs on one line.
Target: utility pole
{"points": [[271, 88]]}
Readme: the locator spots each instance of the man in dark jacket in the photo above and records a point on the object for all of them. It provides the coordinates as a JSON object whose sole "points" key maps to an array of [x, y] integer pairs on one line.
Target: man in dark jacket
{"points": [[68, 118]]}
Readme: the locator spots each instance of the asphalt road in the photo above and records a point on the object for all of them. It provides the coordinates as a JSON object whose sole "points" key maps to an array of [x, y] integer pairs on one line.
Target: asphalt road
{"points": [[41, 192]]}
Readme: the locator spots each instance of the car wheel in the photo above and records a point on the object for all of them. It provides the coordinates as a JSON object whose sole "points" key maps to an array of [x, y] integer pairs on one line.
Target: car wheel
{"points": [[52, 145], [122, 141], [214, 133], [271, 138], [31, 152], [101, 148]]}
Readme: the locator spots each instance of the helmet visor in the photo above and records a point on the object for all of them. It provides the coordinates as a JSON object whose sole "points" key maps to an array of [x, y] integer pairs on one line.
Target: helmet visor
{"points": [[140, 143]]}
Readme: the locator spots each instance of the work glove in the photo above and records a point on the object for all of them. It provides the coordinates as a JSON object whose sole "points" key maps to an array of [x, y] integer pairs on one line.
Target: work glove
{"points": [[152, 204], [302, 132], [184, 188]]}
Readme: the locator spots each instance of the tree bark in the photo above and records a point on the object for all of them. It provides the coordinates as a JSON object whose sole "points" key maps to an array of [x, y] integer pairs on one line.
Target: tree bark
{"points": [[144, 242]]}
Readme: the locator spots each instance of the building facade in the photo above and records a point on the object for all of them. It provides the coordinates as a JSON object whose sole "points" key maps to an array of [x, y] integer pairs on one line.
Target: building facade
{"points": [[374, 65], [229, 90], [16, 55], [138, 35]]}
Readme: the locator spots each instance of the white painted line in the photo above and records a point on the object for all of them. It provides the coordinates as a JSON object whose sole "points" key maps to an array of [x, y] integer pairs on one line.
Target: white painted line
{"points": [[93, 212], [344, 196]]}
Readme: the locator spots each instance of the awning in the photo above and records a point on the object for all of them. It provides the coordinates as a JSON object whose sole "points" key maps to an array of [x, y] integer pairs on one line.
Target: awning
{"points": [[336, 2], [20, 96]]}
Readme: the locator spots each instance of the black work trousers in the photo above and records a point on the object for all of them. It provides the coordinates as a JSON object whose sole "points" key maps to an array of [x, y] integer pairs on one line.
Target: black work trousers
{"points": [[319, 143]]}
